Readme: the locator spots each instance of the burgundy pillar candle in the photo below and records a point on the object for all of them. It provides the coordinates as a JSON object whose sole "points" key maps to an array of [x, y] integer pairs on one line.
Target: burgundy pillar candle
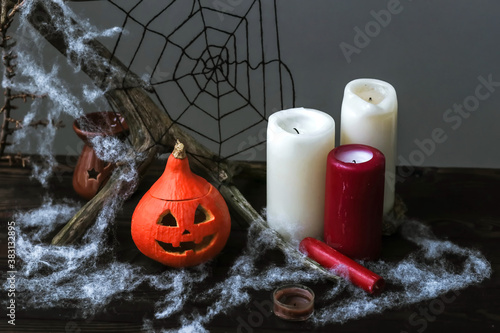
{"points": [[354, 200], [342, 265], [293, 302]]}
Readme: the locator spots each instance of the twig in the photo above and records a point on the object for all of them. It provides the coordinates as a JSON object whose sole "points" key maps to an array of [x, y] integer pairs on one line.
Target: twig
{"points": [[45, 123], [13, 159], [8, 10], [15, 121], [25, 96]]}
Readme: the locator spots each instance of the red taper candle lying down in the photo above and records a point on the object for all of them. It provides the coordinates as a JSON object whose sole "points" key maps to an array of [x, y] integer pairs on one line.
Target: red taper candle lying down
{"points": [[342, 265]]}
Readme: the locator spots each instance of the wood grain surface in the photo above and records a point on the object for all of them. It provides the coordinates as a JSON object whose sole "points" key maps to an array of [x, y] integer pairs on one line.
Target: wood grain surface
{"points": [[461, 205]]}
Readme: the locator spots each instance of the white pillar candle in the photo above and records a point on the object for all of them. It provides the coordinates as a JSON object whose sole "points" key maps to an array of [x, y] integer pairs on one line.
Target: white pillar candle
{"points": [[298, 143], [369, 116]]}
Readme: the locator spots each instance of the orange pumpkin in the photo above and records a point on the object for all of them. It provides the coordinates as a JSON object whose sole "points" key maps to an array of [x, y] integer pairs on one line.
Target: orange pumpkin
{"points": [[182, 220]]}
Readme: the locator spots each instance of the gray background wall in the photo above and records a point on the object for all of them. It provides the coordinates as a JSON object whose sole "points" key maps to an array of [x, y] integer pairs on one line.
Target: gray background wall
{"points": [[433, 52]]}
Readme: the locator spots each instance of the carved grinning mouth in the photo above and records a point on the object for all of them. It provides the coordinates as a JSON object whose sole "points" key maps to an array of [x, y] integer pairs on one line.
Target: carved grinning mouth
{"points": [[186, 246]]}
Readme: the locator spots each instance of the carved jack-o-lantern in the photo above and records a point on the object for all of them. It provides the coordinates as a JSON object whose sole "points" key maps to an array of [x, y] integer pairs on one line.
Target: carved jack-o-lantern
{"points": [[182, 220]]}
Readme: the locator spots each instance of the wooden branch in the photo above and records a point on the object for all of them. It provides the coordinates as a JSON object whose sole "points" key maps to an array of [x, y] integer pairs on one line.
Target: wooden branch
{"points": [[86, 216], [254, 170], [8, 9], [7, 13], [238, 202], [107, 72], [5, 22], [150, 129]]}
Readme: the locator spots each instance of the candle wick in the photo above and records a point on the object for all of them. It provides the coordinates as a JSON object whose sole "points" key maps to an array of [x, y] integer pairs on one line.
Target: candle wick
{"points": [[296, 130], [354, 161]]}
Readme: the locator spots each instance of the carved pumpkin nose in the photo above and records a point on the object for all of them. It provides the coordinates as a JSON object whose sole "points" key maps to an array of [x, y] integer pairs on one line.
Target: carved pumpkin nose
{"points": [[186, 232]]}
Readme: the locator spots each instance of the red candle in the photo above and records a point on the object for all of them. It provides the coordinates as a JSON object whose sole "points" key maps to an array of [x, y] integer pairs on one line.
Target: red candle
{"points": [[342, 265], [354, 200]]}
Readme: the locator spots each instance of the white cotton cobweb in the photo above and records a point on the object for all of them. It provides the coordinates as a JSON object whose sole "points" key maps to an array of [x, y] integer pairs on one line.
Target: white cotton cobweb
{"points": [[88, 277], [422, 275], [71, 276]]}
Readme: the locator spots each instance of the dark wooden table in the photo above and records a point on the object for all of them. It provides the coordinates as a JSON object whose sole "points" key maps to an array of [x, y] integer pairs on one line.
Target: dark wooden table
{"points": [[461, 205]]}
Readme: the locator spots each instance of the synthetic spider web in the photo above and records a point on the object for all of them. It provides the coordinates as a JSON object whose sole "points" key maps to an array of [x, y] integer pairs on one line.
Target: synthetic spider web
{"points": [[217, 72], [211, 71]]}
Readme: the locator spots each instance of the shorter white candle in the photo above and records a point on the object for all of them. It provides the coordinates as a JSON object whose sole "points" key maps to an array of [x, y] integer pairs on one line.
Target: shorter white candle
{"points": [[298, 143], [369, 116]]}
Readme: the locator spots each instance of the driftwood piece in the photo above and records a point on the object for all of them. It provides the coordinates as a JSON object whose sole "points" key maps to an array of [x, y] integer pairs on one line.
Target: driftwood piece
{"points": [[150, 130]]}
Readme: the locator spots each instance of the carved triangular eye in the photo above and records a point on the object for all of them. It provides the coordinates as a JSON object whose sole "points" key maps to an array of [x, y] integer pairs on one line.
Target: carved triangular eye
{"points": [[201, 215], [167, 220]]}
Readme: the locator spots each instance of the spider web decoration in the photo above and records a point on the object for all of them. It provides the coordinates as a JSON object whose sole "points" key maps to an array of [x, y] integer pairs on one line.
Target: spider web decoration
{"points": [[216, 71], [199, 61]]}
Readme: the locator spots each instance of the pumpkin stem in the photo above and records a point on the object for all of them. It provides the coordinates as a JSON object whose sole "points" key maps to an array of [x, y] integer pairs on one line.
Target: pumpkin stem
{"points": [[179, 151]]}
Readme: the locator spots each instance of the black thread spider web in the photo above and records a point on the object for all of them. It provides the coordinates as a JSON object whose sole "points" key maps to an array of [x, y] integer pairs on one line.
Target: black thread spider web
{"points": [[216, 70]]}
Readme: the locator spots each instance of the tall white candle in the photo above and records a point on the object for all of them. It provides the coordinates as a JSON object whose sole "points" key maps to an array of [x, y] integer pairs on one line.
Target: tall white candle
{"points": [[369, 116], [298, 143]]}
